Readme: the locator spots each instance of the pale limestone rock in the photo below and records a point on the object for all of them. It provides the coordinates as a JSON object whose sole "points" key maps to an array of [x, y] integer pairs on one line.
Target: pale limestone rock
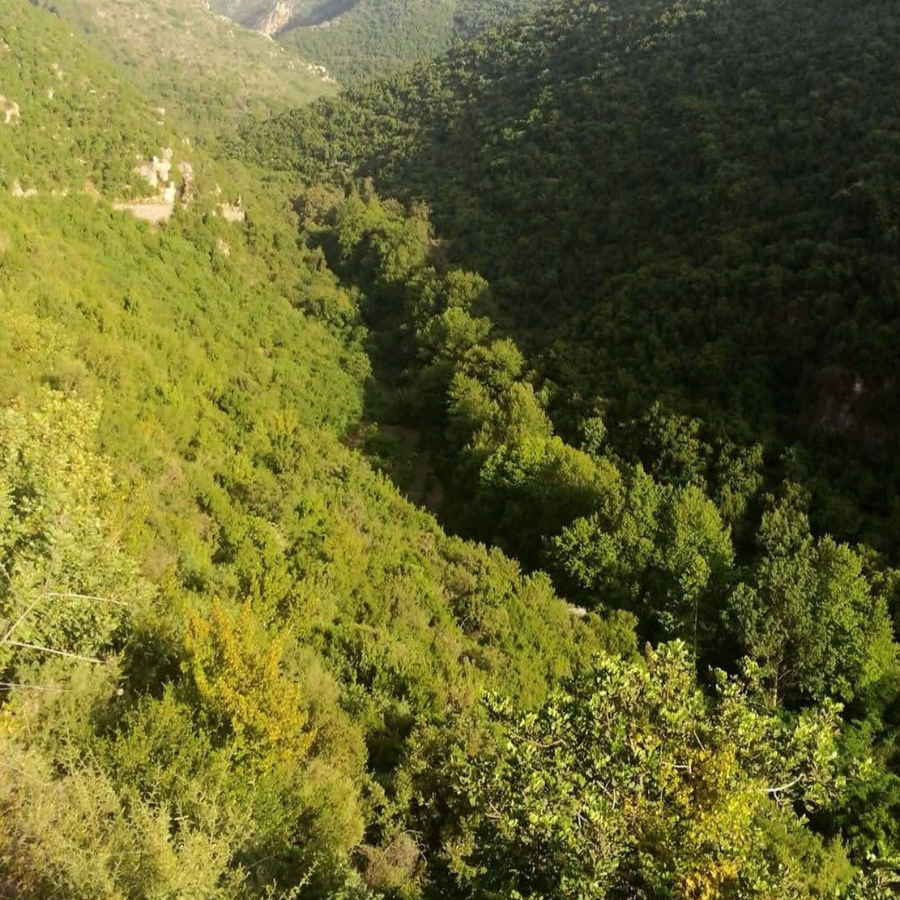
{"points": [[233, 212], [18, 191], [154, 213], [9, 110]]}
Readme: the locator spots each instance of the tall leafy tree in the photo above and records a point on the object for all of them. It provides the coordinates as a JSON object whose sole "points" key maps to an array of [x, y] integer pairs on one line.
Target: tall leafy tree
{"points": [[807, 614], [629, 782]]}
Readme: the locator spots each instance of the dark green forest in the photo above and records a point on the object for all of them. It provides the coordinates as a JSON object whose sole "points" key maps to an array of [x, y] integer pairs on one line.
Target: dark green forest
{"points": [[686, 206], [479, 486]]}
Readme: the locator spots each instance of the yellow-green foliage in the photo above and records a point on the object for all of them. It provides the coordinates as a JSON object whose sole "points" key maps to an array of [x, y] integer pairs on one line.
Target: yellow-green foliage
{"points": [[170, 440], [63, 93], [630, 782], [240, 683], [65, 583]]}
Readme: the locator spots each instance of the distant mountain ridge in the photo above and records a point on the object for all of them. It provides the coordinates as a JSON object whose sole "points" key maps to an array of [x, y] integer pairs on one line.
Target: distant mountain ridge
{"points": [[271, 17], [360, 38]]}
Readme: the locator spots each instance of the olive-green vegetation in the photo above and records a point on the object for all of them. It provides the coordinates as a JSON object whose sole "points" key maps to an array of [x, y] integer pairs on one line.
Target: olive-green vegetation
{"points": [[356, 39], [272, 621], [220, 629], [813, 614], [195, 65], [692, 204], [55, 100], [236, 662]]}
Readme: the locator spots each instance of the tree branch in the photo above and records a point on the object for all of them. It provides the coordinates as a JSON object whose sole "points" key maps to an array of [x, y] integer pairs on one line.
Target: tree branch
{"points": [[86, 597], [65, 653]]}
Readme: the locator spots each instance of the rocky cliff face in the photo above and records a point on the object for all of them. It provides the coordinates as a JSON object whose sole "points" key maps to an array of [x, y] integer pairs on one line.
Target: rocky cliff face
{"points": [[271, 20], [272, 17], [268, 17]]}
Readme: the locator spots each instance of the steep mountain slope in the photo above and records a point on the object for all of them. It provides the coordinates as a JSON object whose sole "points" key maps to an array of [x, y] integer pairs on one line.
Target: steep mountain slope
{"points": [[245, 625], [693, 202], [53, 115], [189, 59], [360, 38], [236, 664]]}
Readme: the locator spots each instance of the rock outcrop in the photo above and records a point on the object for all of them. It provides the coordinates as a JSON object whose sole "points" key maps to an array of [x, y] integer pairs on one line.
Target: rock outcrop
{"points": [[233, 212], [18, 191], [149, 211], [271, 22], [9, 111], [157, 172]]}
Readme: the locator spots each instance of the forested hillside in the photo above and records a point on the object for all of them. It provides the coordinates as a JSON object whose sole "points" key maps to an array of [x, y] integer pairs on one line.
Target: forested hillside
{"points": [[193, 63], [57, 94], [220, 631], [690, 203], [322, 577], [355, 39]]}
